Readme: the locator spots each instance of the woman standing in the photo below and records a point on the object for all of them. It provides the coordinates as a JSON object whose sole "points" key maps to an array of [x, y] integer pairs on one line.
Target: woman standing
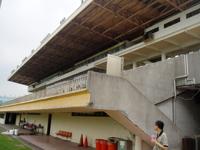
{"points": [[161, 140]]}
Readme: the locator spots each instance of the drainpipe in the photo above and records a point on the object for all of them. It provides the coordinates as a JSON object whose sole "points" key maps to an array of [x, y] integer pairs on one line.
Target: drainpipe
{"points": [[175, 91], [174, 104]]}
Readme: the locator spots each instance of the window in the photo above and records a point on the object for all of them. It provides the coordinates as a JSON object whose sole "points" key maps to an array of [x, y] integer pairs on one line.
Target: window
{"points": [[170, 23], [89, 114], [154, 30], [33, 113], [193, 13]]}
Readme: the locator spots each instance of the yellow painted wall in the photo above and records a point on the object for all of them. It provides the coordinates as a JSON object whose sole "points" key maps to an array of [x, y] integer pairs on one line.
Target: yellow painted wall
{"points": [[36, 119], [146, 146], [73, 99], [93, 127]]}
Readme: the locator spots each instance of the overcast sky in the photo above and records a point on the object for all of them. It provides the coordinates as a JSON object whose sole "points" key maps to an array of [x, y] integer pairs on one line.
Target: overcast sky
{"points": [[23, 24]]}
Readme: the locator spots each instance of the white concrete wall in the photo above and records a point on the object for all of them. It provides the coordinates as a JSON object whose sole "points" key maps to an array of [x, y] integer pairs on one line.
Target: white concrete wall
{"points": [[17, 120], [93, 127], [2, 120], [155, 80], [166, 108], [186, 115]]}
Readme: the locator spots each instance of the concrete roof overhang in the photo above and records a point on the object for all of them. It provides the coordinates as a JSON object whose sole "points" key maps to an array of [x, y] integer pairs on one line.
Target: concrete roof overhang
{"points": [[60, 102], [95, 26]]}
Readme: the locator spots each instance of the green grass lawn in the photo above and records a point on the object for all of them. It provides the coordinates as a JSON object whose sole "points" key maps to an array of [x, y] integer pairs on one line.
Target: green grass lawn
{"points": [[10, 143]]}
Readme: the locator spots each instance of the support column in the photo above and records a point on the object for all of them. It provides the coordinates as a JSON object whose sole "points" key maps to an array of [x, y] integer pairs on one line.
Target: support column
{"points": [[115, 65], [138, 143], [134, 65], [163, 56]]}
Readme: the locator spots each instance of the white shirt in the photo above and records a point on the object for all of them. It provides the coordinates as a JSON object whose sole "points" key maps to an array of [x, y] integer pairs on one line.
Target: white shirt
{"points": [[162, 139]]}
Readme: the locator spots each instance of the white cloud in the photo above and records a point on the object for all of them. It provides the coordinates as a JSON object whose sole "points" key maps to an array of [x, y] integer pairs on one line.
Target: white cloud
{"points": [[23, 24]]}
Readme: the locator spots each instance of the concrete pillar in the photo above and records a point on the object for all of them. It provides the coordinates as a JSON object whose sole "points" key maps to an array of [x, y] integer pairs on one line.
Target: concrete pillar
{"points": [[163, 56], [115, 65], [138, 143], [134, 65]]}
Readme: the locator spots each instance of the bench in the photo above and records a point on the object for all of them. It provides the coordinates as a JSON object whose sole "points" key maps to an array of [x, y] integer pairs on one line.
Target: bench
{"points": [[65, 134], [30, 126]]}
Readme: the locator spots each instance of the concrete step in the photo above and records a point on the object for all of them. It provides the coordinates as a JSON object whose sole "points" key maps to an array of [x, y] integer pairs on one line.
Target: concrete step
{"points": [[128, 106]]}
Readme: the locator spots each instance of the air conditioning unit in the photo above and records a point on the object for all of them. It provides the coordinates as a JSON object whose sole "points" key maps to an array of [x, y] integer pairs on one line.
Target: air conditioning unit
{"points": [[197, 142], [148, 36]]}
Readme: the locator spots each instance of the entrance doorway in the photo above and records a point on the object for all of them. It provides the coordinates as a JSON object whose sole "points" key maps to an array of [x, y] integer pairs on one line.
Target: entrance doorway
{"points": [[10, 118]]}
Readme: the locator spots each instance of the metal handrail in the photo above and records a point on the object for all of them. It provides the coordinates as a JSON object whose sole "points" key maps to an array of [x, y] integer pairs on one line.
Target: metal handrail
{"points": [[73, 84]]}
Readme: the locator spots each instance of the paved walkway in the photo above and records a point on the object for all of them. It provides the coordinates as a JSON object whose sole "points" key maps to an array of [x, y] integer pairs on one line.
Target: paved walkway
{"points": [[51, 143]]}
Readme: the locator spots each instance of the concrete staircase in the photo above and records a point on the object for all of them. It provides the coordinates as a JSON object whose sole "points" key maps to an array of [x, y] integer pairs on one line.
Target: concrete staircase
{"points": [[128, 106]]}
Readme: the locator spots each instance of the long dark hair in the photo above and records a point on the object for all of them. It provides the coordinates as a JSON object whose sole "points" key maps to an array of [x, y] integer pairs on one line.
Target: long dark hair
{"points": [[160, 125]]}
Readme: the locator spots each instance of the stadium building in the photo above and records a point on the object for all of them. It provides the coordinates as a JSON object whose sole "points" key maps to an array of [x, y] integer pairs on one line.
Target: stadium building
{"points": [[112, 69]]}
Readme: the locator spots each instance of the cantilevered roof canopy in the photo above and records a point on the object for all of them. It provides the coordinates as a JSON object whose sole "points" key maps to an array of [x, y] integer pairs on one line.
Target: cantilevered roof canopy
{"points": [[95, 26]]}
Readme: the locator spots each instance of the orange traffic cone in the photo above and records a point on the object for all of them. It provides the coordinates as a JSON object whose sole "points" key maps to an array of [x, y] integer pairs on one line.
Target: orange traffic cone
{"points": [[81, 141], [85, 144]]}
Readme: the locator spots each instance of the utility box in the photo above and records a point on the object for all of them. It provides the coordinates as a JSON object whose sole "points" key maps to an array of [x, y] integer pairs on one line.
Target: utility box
{"points": [[122, 144], [188, 143]]}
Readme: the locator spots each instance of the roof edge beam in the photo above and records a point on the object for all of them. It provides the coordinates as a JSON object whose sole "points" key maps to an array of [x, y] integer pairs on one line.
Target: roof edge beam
{"points": [[174, 5]]}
